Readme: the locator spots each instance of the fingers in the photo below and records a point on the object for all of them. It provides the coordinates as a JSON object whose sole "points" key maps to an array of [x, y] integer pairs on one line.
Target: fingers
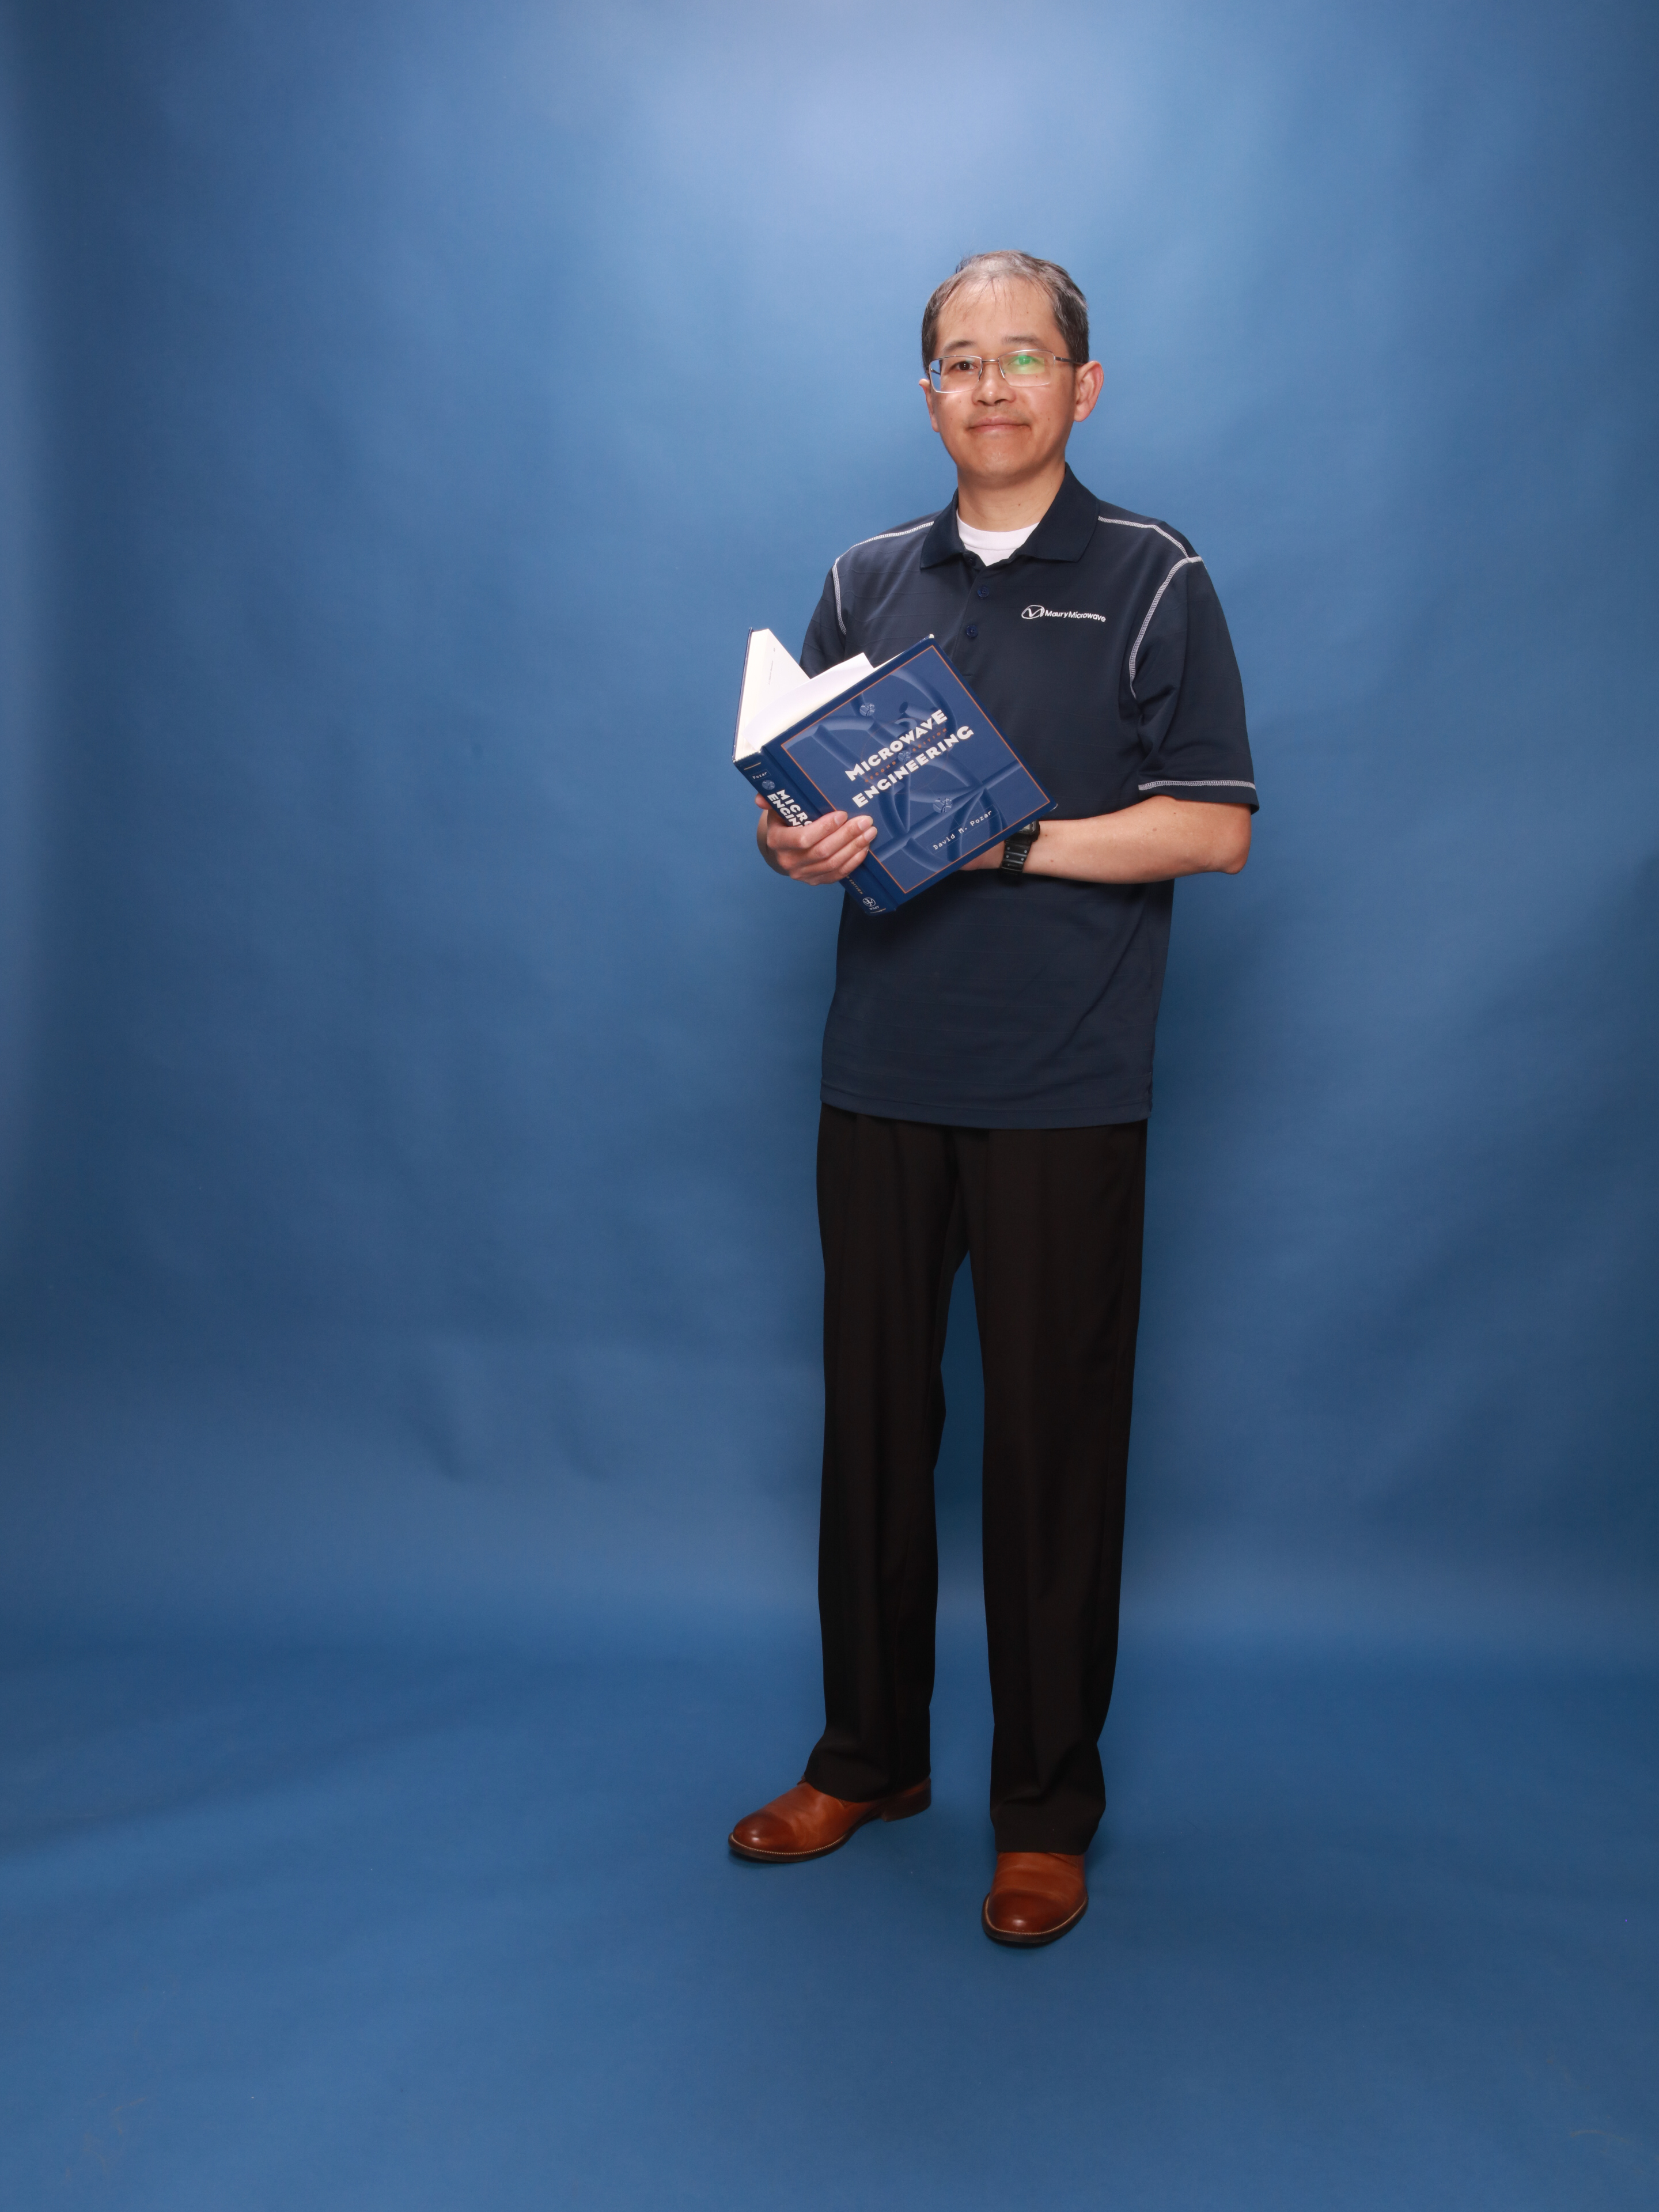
{"points": [[821, 852], [824, 851], [829, 872], [836, 856], [804, 840]]}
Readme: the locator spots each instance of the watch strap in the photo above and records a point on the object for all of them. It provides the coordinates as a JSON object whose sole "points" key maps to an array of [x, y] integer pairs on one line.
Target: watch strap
{"points": [[1017, 848]]}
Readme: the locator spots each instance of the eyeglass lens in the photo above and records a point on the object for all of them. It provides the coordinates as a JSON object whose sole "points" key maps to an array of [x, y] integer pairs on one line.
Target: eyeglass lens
{"points": [[960, 372]]}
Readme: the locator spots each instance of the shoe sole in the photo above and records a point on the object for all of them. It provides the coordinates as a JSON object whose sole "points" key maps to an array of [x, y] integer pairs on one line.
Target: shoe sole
{"points": [[1029, 1942], [904, 1808]]}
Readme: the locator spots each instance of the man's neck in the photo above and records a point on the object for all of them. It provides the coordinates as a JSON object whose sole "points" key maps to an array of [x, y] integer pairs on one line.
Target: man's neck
{"points": [[1008, 506]]}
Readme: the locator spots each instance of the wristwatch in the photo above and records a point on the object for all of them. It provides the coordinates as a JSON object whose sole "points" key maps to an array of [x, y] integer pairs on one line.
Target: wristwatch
{"points": [[1015, 847]]}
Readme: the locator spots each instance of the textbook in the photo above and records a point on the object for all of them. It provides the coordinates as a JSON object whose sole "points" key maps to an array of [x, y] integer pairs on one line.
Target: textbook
{"points": [[907, 744]]}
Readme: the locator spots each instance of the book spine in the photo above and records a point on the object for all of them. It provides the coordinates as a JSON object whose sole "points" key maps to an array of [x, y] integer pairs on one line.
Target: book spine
{"points": [[872, 888], [785, 791]]}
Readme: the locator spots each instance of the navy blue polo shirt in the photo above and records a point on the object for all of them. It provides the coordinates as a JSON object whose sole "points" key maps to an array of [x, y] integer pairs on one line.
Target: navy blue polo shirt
{"points": [[1100, 650]]}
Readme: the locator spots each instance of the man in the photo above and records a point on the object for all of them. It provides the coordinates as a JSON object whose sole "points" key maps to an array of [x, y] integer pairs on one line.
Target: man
{"points": [[986, 1080]]}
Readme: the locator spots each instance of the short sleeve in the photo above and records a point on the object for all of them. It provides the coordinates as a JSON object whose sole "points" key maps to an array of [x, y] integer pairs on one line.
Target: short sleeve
{"points": [[1184, 679], [825, 644]]}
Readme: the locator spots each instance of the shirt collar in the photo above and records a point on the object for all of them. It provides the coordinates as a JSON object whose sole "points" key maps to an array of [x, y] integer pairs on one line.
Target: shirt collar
{"points": [[1063, 534]]}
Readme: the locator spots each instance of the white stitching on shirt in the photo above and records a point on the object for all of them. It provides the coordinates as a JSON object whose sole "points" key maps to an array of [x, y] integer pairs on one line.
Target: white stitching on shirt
{"points": [[1198, 783], [834, 566], [1173, 782], [1122, 522], [1190, 560]]}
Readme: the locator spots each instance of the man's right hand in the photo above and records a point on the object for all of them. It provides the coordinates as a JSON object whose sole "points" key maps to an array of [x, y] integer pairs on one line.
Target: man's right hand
{"points": [[823, 853]]}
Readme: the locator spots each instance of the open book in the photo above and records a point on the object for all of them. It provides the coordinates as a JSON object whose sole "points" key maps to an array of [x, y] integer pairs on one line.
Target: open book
{"points": [[906, 742], [777, 692]]}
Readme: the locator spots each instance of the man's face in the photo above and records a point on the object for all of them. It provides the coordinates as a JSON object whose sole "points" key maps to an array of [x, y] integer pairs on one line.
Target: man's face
{"points": [[1000, 433]]}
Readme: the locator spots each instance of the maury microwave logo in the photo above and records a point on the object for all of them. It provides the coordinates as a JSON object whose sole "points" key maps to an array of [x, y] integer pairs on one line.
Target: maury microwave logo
{"points": [[1039, 613]]}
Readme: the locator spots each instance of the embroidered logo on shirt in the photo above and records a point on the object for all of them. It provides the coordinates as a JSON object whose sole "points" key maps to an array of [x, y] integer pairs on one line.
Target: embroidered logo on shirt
{"points": [[1038, 613]]}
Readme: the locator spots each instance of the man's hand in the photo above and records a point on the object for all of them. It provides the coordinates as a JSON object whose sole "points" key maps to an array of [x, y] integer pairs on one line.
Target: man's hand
{"points": [[823, 853]]}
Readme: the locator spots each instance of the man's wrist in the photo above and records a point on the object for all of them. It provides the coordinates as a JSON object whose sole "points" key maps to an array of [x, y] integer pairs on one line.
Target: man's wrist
{"points": [[1016, 850]]}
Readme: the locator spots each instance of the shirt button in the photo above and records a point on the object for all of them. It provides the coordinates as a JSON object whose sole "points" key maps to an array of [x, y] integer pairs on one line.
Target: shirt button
{"points": [[984, 592], [972, 630]]}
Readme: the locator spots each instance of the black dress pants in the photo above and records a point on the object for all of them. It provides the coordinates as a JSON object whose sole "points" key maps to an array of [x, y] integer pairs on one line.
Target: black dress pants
{"points": [[1051, 1220]]}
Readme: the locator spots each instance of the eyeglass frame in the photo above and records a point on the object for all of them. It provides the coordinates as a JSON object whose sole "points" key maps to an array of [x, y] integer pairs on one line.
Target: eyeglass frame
{"points": [[994, 360]]}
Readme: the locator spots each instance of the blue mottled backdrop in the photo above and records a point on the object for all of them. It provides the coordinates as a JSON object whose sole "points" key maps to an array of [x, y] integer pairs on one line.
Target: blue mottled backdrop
{"points": [[408, 1073]]}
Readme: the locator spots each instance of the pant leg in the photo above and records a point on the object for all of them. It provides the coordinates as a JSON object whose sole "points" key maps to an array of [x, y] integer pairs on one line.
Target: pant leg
{"points": [[893, 1239], [1054, 1219]]}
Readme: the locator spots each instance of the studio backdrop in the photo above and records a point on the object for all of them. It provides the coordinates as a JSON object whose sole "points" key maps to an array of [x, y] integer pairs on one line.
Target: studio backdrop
{"points": [[409, 1073]]}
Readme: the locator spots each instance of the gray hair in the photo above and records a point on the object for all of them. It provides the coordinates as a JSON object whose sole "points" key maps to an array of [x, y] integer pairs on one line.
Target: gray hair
{"points": [[1071, 309]]}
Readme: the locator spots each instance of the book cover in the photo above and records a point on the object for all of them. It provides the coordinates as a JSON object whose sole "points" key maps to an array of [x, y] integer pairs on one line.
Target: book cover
{"points": [[907, 744]]}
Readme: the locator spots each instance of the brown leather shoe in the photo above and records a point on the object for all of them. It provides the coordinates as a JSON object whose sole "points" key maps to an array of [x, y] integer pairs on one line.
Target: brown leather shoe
{"points": [[804, 1823], [1035, 1897]]}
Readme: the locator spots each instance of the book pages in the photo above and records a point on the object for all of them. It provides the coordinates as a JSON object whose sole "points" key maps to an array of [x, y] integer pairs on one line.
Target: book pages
{"points": [[777, 691]]}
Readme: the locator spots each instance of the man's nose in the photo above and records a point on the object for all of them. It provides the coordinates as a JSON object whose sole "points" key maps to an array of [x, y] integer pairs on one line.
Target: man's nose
{"points": [[991, 390]]}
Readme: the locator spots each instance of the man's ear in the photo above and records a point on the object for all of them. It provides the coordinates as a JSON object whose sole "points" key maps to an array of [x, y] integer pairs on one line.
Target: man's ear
{"points": [[928, 394], [1089, 379]]}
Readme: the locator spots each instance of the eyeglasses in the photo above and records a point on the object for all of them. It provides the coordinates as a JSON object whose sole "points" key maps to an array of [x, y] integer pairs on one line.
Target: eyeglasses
{"points": [[961, 372]]}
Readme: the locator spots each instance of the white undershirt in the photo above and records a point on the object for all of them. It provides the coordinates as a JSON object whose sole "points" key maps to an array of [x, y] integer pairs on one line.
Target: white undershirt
{"points": [[992, 545]]}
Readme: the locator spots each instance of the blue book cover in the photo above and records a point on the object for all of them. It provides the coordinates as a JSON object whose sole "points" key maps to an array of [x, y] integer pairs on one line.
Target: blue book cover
{"points": [[907, 744]]}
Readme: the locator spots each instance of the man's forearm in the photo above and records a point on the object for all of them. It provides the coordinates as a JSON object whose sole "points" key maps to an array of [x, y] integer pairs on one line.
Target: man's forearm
{"points": [[1145, 844]]}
